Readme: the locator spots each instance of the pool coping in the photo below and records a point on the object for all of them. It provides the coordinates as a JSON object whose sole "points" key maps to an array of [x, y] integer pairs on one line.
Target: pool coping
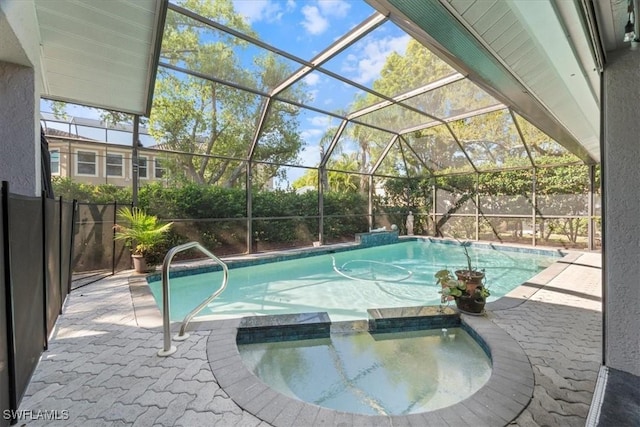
{"points": [[505, 395], [207, 265]]}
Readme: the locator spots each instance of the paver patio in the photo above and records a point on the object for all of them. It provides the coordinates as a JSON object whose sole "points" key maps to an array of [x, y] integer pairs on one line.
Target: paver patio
{"points": [[102, 366]]}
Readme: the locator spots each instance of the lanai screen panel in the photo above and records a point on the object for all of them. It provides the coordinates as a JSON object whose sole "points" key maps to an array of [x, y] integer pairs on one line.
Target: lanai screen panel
{"points": [[492, 141], [439, 150], [394, 163], [314, 23], [222, 119], [363, 142], [452, 201], [506, 193], [346, 206], [385, 61], [544, 150], [198, 47], [563, 190], [452, 99], [394, 118], [294, 135], [322, 91], [416, 166]]}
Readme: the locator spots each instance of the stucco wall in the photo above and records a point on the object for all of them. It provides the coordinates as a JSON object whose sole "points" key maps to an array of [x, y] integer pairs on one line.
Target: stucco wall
{"points": [[621, 178], [19, 159], [19, 97]]}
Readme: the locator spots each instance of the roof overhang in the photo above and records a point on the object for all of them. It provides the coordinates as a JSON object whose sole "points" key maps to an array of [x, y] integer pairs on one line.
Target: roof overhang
{"points": [[100, 54]]}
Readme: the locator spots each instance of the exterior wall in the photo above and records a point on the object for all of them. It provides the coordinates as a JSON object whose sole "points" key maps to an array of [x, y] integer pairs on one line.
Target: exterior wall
{"points": [[19, 97], [19, 154], [621, 182], [68, 150]]}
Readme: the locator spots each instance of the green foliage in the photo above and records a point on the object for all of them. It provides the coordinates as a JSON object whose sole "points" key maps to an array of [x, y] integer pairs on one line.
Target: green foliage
{"points": [[103, 193], [336, 175], [345, 213], [193, 201], [142, 230]]}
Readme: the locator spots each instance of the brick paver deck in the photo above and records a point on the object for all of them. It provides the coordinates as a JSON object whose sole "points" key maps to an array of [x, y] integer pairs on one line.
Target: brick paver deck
{"points": [[102, 367]]}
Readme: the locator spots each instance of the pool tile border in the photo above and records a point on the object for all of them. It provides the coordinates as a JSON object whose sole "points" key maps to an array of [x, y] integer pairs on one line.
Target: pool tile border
{"points": [[504, 396], [380, 239]]}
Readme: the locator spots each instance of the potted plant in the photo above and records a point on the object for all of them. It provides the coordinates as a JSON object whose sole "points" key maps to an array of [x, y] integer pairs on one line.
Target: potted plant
{"points": [[471, 276], [141, 234], [464, 286]]}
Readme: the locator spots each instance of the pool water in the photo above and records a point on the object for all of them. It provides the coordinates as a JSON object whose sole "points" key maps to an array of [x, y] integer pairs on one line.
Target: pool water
{"points": [[374, 374], [396, 275]]}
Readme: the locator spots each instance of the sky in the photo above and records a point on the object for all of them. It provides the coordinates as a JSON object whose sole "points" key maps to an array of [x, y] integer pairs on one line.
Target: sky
{"points": [[304, 28]]}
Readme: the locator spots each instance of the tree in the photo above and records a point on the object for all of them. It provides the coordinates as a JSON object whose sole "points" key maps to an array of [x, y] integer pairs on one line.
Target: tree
{"points": [[337, 175], [204, 118]]}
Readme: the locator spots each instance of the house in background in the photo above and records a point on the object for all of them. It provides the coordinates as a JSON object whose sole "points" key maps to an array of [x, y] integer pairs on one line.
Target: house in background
{"points": [[92, 161], [95, 162]]}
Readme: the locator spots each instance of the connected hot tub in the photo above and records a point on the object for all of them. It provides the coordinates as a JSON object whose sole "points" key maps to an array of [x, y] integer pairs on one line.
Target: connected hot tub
{"points": [[404, 366]]}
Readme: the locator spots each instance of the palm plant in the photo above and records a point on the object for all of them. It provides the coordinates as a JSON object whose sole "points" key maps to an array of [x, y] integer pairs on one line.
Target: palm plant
{"points": [[143, 230]]}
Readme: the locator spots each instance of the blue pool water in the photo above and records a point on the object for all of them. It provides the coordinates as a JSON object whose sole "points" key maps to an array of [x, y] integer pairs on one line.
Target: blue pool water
{"points": [[366, 278]]}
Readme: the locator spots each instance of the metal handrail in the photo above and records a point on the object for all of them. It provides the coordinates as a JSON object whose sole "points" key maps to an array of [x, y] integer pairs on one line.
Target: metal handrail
{"points": [[166, 322]]}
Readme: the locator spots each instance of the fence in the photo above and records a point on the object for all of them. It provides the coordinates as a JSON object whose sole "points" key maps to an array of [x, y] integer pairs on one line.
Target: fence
{"points": [[35, 274], [96, 253]]}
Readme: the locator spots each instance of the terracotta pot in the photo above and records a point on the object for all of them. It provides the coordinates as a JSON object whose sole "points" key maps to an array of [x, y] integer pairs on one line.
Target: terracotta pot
{"points": [[139, 264], [472, 280]]}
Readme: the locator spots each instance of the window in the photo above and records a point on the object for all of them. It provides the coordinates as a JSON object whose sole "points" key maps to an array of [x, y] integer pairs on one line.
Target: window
{"points": [[86, 163], [55, 162], [114, 165], [159, 169], [142, 167]]}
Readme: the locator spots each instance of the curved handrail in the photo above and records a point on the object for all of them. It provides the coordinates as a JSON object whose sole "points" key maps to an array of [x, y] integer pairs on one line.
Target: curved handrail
{"points": [[166, 322]]}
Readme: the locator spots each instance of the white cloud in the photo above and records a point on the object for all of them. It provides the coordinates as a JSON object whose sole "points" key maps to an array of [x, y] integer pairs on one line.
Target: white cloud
{"points": [[321, 121], [311, 134], [311, 79], [314, 22], [315, 17], [260, 10], [368, 62], [336, 8]]}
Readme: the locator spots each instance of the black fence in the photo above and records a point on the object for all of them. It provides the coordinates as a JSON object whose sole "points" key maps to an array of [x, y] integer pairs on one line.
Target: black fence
{"points": [[95, 250], [35, 274]]}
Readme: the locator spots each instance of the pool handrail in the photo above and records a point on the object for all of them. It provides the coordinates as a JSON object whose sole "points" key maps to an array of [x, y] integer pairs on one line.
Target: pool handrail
{"points": [[169, 349]]}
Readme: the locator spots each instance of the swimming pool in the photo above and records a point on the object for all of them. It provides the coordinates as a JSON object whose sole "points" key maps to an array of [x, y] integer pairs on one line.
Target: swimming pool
{"points": [[346, 284]]}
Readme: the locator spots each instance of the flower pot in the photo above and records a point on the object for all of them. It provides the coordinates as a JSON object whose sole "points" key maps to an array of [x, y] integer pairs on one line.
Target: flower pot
{"points": [[473, 279], [470, 304], [139, 264]]}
